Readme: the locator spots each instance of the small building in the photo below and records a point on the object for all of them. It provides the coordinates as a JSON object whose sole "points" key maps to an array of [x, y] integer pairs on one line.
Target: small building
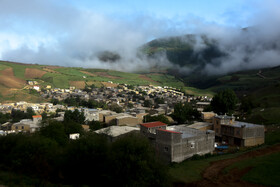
{"points": [[128, 120], [207, 116], [177, 143], [202, 105], [238, 133], [74, 136]]}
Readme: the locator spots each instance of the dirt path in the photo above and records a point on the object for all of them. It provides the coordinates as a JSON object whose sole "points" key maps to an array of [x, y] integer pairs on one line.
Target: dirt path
{"points": [[214, 176]]}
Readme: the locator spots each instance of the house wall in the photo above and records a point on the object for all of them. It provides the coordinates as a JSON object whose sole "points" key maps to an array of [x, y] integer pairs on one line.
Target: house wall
{"points": [[174, 148], [129, 121], [248, 136], [208, 116], [150, 132], [21, 127], [253, 141]]}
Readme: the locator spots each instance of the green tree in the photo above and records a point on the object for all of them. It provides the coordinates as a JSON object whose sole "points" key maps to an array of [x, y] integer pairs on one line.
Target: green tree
{"points": [[130, 105], [115, 107], [55, 131], [162, 118], [72, 127], [4, 117], [29, 113], [246, 105], [134, 163], [95, 125], [224, 102], [184, 112], [75, 116], [147, 103]]}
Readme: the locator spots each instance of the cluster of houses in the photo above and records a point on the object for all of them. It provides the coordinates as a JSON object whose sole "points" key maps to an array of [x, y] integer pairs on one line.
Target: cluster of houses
{"points": [[123, 94], [174, 143], [179, 142]]}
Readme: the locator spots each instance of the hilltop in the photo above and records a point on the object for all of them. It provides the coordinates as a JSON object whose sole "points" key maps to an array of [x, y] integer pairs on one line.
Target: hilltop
{"points": [[185, 51]]}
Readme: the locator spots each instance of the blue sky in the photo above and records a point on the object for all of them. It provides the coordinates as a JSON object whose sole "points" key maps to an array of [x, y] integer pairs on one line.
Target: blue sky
{"points": [[229, 12], [72, 32]]}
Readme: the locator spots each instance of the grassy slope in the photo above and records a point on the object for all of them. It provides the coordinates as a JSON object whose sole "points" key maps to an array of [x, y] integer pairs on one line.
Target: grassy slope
{"points": [[61, 77], [265, 169], [190, 170]]}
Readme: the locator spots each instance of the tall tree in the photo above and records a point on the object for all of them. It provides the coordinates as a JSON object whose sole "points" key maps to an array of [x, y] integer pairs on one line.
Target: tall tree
{"points": [[184, 112], [224, 102]]}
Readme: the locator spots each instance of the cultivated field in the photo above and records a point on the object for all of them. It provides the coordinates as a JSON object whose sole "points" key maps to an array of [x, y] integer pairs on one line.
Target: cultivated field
{"points": [[33, 73]]}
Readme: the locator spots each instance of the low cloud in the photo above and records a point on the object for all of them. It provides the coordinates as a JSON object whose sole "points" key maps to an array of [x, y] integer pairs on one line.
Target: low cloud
{"points": [[45, 32]]}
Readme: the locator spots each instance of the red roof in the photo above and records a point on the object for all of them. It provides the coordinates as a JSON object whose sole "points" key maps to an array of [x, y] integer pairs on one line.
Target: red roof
{"points": [[169, 131], [153, 124], [38, 116]]}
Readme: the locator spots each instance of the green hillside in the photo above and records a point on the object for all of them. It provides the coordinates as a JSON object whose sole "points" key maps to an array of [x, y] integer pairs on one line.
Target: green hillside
{"points": [[261, 88], [184, 50], [14, 76]]}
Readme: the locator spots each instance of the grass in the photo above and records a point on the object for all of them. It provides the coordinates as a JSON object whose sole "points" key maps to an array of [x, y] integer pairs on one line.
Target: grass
{"points": [[198, 92], [265, 169], [265, 116], [190, 170], [71, 72], [2, 67], [166, 80], [9, 178], [273, 137]]}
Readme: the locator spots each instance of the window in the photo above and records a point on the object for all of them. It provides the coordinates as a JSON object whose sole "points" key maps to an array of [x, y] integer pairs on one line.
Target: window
{"points": [[22, 127], [192, 145], [16, 127]]}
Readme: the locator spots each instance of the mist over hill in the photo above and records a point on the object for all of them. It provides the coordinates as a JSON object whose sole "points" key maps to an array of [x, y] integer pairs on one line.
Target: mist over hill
{"points": [[247, 49], [91, 39]]}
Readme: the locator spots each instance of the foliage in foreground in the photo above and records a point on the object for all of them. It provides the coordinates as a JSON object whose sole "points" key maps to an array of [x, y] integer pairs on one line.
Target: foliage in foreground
{"points": [[90, 160]]}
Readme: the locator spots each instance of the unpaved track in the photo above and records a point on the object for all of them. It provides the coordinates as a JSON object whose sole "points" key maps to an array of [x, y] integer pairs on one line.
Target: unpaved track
{"points": [[214, 176]]}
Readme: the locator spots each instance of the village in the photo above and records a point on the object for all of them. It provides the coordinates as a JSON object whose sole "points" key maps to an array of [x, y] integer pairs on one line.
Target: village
{"points": [[125, 109]]}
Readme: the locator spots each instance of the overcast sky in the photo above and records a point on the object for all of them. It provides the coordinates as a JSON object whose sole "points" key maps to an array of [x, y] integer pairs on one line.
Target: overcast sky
{"points": [[72, 32]]}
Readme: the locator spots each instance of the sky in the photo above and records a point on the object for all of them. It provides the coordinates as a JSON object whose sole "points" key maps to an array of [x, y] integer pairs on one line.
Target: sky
{"points": [[72, 32]]}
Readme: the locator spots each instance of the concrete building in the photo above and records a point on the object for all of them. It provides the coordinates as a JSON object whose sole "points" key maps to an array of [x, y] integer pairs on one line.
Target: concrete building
{"points": [[128, 120], [238, 133], [207, 116], [202, 105], [177, 143], [115, 132], [27, 125]]}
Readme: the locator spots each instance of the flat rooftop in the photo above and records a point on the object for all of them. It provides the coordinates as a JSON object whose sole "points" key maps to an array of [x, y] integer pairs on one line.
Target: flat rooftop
{"points": [[115, 131], [244, 124], [186, 131], [199, 125]]}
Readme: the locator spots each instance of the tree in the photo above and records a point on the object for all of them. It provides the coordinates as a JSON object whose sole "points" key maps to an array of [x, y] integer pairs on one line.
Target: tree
{"points": [[55, 131], [246, 105], [29, 113], [184, 112], [4, 117], [162, 118], [147, 103], [224, 102], [115, 107], [95, 125], [135, 163], [75, 116]]}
